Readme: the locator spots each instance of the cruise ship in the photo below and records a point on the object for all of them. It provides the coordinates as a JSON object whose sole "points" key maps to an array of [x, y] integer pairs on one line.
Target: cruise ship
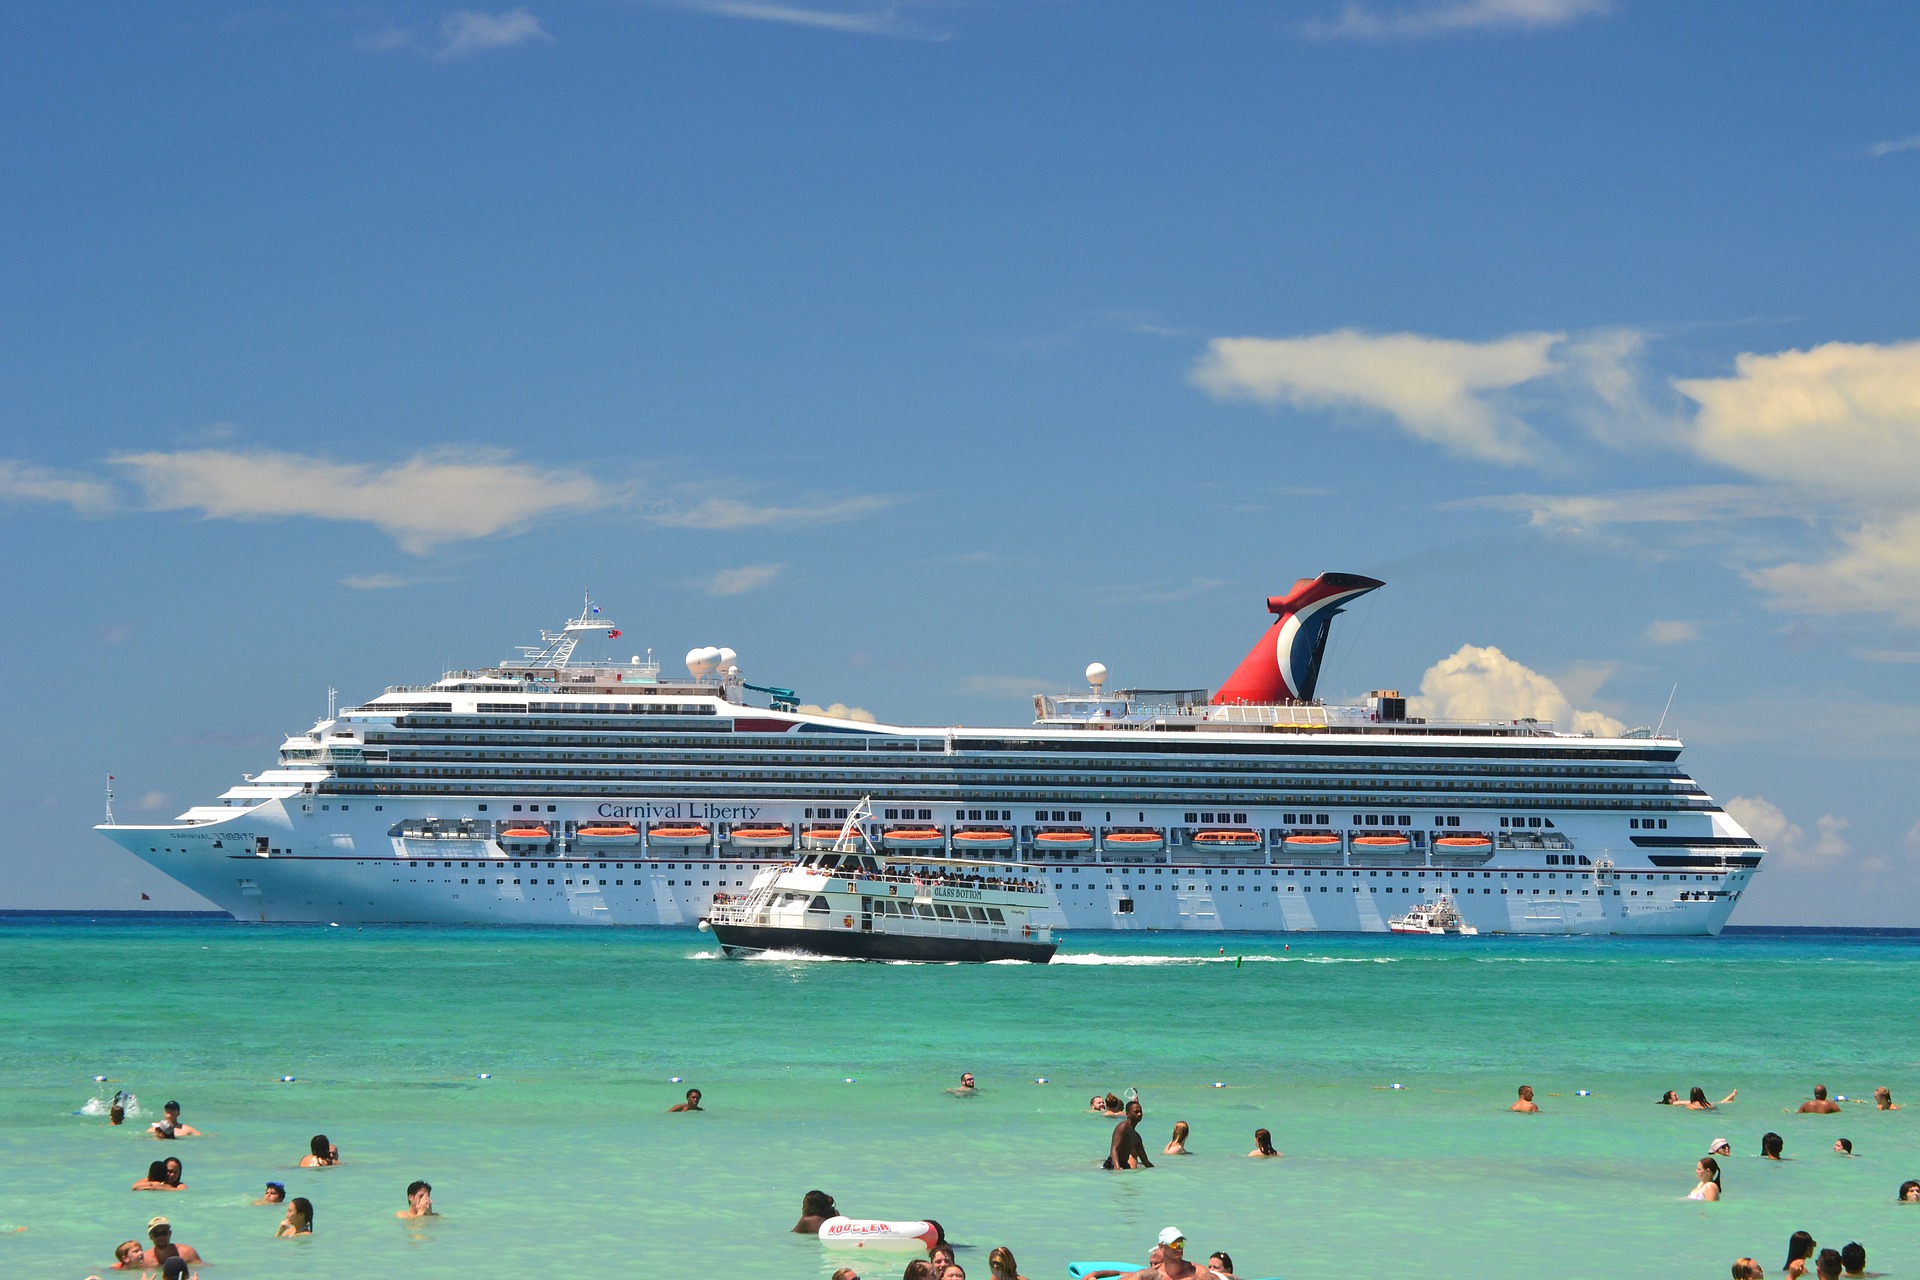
{"points": [[556, 790]]}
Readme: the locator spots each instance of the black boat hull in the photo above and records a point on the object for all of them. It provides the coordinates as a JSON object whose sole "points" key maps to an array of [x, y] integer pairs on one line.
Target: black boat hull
{"points": [[852, 944]]}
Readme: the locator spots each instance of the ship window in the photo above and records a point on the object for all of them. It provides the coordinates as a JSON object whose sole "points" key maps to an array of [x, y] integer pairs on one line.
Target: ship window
{"points": [[1503, 822], [1663, 824], [516, 808], [994, 916], [818, 903], [463, 879], [1193, 817]]}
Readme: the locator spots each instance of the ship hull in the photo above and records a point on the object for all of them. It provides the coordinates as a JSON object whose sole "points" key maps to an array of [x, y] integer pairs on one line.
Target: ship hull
{"points": [[852, 944]]}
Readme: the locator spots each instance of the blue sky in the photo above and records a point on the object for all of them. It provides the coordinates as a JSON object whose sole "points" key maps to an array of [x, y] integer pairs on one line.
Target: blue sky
{"points": [[925, 352]]}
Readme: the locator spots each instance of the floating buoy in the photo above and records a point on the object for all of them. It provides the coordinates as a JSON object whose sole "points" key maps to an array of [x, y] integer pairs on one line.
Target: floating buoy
{"points": [[1396, 1086], [1039, 1079], [99, 1079], [286, 1079], [486, 1075], [847, 1080], [1219, 1084], [1582, 1093]]}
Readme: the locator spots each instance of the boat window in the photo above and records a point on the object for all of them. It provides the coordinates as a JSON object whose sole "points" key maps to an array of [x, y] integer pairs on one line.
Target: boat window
{"points": [[819, 903], [942, 911], [925, 910], [993, 914]]}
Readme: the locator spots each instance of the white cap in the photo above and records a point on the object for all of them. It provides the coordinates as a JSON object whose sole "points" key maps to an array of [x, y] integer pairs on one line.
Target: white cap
{"points": [[1169, 1234]]}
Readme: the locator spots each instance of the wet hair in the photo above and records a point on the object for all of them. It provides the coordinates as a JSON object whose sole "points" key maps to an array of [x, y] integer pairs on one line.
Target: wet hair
{"points": [[418, 1184], [1846, 1144], [815, 1204], [1799, 1245], [157, 1171], [1771, 1144], [319, 1146], [1748, 1269], [1827, 1265], [1668, 1098], [940, 1253], [1226, 1259], [175, 1268], [120, 1250], [303, 1207], [1910, 1184], [1001, 1263], [918, 1269], [1263, 1142], [1111, 1102], [1697, 1094], [1712, 1167], [171, 1176], [1882, 1094], [1853, 1256], [1180, 1130]]}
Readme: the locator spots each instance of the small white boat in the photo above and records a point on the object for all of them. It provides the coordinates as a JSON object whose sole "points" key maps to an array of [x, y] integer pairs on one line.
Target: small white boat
{"points": [[1436, 917]]}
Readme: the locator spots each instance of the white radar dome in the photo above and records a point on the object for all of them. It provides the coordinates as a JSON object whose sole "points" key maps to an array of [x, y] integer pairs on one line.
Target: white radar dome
{"points": [[727, 658], [701, 661], [1096, 674]]}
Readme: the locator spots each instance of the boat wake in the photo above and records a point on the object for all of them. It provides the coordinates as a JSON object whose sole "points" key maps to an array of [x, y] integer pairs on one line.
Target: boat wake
{"points": [[1096, 958]]}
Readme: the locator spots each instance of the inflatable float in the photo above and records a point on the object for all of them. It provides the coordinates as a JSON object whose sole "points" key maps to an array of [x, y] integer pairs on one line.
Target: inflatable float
{"points": [[1080, 1270], [864, 1233]]}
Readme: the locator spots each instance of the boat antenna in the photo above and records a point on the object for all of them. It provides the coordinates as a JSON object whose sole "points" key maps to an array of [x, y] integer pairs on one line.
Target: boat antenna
{"points": [[1665, 709], [110, 821], [331, 692]]}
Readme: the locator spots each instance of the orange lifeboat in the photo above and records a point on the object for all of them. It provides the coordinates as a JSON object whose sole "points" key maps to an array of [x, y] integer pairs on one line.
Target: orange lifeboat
{"points": [[1463, 844], [1135, 841], [1062, 839], [526, 833], [610, 835], [986, 838], [1311, 842], [1227, 838], [823, 835], [913, 838], [763, 837], [1381, 844], [679, 835]]}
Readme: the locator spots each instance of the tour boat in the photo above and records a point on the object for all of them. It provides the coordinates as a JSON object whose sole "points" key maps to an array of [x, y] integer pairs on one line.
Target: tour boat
{"points": [[1436, 917]]}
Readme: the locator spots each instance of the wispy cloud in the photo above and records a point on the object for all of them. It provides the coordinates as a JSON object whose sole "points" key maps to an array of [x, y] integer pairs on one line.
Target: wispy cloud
{"points": [[1896, 144], [1371, 21], [1010, 686], [1682, 504], [381, 581], [867, 22], [24, 482], [466, 32], [1669, 631], [734, 582], [734, 513], [428, 500]]}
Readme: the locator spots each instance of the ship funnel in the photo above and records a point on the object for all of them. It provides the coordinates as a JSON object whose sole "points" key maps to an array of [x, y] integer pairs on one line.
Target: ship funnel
{"points": [[1285, 665]]}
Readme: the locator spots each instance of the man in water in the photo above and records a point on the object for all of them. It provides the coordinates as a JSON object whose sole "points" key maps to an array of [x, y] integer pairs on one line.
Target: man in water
{"points": [[276, 1193], [419, 1201], [815, 1208], [1173, 1261], [966, 1088], [1748, 1269], [1819, 1104], [169, 1126], [160, 1231], [1526, 1102], [691, 1104], [1127, 1150]]}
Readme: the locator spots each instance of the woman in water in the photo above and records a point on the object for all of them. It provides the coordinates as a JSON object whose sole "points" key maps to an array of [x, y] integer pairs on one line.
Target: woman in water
{"points": [[157, 1180], [1883, 1099], [320, 1153], [1670, 1099], [1221, 1264], [299, 1221], [1697, 1099], [1000, 1262], [1262, 1145], [1909, 1192], [815, 1208], [1771, 1144], [1708, 1172], [1799, 1249], [1178, 1146]]}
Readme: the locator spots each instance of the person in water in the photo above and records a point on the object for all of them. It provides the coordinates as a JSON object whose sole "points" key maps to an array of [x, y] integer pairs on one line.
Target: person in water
{"points": [[1697, 1099], [1221, 1264], [275, 1193], [1719, 1147], [158, 1179], [419, 1200], [160, 1232], [1853, 1258], [1707, 1172], [1909, 1192], [691, 1104], [1748, 1269], [1173, 1260], [1177, 1145], [128, 1256], [299, 1219], [1526, 1102], [1002, 1266], [1262, 1146], [169, 1125], [321, 1154], [815, 1208], [1799, 1248], [1883, 1099], [952, 1271], [1771, 1145], [966, 1088], [1126, 1150], [845, 1273], [1820, 1104], [1843, 1146], [939, 1253]]}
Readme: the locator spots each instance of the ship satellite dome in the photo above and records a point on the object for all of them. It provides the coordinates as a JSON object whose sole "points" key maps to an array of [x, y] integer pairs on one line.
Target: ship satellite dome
{"points": [[701, 660], [635, 659], [1096, 674]]}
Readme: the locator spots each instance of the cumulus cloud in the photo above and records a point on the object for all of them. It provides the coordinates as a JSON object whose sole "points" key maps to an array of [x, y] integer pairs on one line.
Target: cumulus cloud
{"points": [[1672, 631], [732, 513], [1787, 841], [1875, 570], [1442, 390], [733, 582], [24, 482], [466, 32], [1682, 504], [1482, 683], [837, 711], [1458, 15], [421, 503]]}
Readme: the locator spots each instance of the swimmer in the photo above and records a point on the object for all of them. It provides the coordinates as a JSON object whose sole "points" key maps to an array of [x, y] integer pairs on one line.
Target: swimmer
{"points": [[128, 1256], [953, 1271], [1526, 1102], [1827, 1265], [1707, 1171], [156, 1179], [1883, 1099], [966, 1088], [1173, 1262], [299, 1219], [1670, 1099], [845, 1273], [1221, 1264], [1112, 1106], [275, 1193], [1853, 1259], [117, 1113], [1097, 1105], [321, 1154], [1177, 1145], [939, 1253], [419, 1200], [919, 1269], [1002, 1266], [1819, 1104], [169, 1125], [1771, 1145], [1748, 1269], [1843, 1146], [1799, 1248], [691, 1104], [1262, 1146], [1719, 1147], [1126, 1150], [1909, 1192], [1697, 1099], [160, 1232], [175, 1269], [815, 1208]]}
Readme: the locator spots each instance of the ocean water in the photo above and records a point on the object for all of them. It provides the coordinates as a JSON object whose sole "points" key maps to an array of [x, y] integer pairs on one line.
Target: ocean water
{"points": [[832, 1075]]}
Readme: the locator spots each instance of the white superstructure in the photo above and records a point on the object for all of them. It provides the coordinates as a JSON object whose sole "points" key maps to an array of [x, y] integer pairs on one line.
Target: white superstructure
{"points": [[546, 790]]}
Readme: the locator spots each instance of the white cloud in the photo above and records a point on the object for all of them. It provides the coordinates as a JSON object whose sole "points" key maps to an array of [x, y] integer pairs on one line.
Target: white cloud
{"points": [[427, 500], [1458, 15], [25, 482], [1482, 683], [152, 800], [1896, 144], [1875, 570], [732, 513], [1010, 686], [862, 22], [380, 581], [1686, 504], [465, 32], [733, 582], [1441, 390], [1672, 631], [837, 711], [1787, 841]]}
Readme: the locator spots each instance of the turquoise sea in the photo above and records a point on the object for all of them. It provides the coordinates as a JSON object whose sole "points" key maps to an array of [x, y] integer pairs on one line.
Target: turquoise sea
{"points": [[832, 1075]]}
